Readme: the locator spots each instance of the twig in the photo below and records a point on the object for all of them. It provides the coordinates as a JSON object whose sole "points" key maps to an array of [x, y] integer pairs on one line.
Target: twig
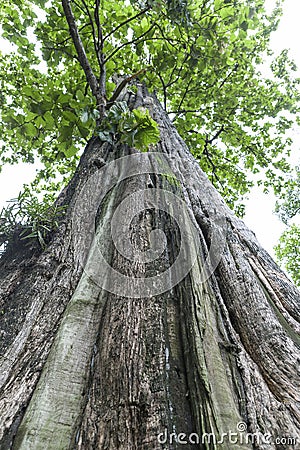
{"points": [[133, 41], [125, 22], [184, 111], [229, 75], [210, 141], [185, 93], [164, 90], [93, 30], [178, 73]]}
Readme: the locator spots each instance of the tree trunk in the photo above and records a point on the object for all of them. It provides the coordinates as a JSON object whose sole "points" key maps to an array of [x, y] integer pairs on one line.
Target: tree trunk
{"points": [[154, 319]]}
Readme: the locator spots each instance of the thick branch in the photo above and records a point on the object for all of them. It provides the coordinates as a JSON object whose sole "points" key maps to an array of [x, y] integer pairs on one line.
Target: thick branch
{"points": [[121, 86], [101, 57], [99, 46], [84, 62], [93, 31]]}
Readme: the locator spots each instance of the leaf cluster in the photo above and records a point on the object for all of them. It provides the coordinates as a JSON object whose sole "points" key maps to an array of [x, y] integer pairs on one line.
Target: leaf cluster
{"points": [[135, 128], [289, 207], [28, 219], [288, 254]]}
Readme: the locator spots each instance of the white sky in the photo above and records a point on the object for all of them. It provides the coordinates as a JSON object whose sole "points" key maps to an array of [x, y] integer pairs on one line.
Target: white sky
{"points": [[259, 216]]}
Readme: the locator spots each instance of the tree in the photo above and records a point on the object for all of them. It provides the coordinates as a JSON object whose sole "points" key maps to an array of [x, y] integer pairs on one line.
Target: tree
{"points": [[116, 335]]}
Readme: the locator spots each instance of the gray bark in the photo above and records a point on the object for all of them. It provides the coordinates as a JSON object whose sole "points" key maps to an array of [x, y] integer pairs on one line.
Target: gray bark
{"points": [[95, 358]]}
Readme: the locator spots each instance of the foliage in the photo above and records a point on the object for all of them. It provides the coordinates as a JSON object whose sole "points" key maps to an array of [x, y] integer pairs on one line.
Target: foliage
{"points": [[287, 251], [135, 128], [27, 218], [289, 207], [288, 254], [200, 57]]}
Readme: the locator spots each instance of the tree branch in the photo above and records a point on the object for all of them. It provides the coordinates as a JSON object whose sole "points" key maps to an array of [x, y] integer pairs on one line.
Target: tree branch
{"points": [[210, 141], [101, 58], [210, 160], [99, 46], [93, 31], [183, 111], [84, 62], [164, 90], [79, 6], [130, 19], [229, 75], [170, 82], [185, 93], [121, 87], [133, 41], [62, 50], [173, 42], [70, 38]]}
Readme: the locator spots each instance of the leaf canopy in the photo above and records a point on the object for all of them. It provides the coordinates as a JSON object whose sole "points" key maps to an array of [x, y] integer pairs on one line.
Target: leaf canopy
{"points": [[201, 57]]}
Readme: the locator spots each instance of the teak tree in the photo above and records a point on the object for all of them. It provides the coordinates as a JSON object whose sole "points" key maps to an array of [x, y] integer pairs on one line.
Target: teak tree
{"points": [[138, 312]]}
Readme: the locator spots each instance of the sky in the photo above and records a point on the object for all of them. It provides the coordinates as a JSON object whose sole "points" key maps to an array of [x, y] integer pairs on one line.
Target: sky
{"points": [[259, 208]]}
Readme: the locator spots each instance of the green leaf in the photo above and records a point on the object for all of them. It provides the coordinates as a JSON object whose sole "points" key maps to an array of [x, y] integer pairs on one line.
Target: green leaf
{"points": [[105, 136], [84, 131], [287, 252], [39, 122], [70, 151], [69, 115], [85, 116], [65, 133], [30, 129], [79, 95], [50, 122], [64, 98]]}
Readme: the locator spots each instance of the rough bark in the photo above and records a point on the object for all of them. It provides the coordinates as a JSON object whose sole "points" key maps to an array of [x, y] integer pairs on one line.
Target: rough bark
{"points": [[85, 367]]}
